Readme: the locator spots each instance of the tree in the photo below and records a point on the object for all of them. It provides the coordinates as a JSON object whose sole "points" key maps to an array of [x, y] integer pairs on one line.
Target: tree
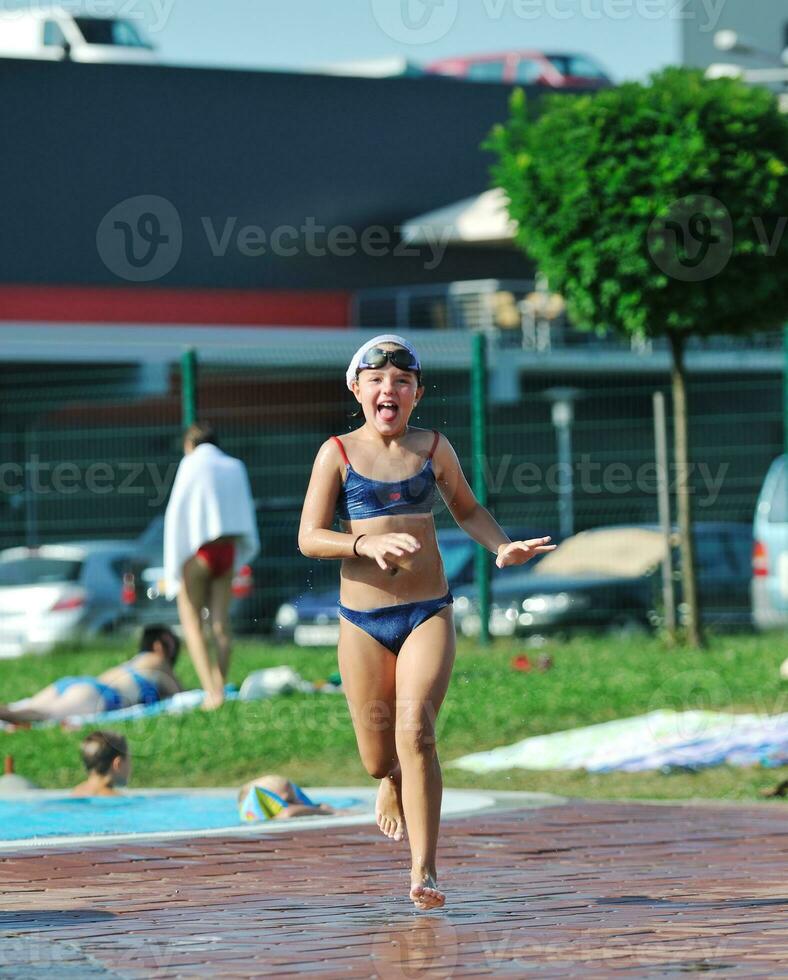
{"points": [[656, 210]]}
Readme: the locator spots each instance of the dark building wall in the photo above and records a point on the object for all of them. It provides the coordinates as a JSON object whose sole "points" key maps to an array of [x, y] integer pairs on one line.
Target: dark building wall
{"points": [[268, 149]]}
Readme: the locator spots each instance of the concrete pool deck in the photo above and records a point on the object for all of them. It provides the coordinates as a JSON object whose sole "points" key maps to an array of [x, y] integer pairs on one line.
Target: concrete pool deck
{"points": [[553, 888]]}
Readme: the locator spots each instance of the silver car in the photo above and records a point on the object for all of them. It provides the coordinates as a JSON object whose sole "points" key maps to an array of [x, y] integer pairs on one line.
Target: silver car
{"points": [[61, 592]]}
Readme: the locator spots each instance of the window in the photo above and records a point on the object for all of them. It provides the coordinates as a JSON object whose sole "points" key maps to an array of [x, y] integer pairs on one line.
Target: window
{"points": [[486, 71], [711, 554], [100, 30], [739, 547], [528, 71], [576, 65], [778, 511], [38, 571], [53, 35]]}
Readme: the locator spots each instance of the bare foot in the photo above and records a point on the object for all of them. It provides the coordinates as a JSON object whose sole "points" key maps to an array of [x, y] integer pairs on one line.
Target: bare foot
{"points": [[388, 809], [425, 894]]}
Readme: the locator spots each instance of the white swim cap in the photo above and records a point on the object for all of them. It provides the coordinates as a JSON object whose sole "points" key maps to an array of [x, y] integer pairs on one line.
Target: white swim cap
{"points": [[384, 338]]}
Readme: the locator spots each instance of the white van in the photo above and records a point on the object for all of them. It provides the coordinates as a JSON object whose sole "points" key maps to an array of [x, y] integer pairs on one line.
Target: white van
{"points": [[56, 34], [770, 550]]}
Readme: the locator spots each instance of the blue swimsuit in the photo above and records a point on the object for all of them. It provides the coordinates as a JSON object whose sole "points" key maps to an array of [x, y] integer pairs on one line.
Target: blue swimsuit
{"points": [[148, 692], [362, 497]]}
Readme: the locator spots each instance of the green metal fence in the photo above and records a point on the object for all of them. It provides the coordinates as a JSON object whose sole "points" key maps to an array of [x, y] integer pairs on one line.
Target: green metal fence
{"points": [[90, 450]]}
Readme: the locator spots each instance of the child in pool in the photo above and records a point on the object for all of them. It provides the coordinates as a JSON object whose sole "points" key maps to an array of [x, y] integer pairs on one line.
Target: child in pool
{"points": [[288, 793], [108, 762], [396, 643]]}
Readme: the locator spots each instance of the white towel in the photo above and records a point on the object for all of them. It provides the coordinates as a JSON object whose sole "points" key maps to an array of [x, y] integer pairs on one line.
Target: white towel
{"points": [[211, 498]]}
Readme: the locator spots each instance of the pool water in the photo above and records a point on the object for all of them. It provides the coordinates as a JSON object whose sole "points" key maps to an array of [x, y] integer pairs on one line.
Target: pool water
{"points": [[132, 813]]}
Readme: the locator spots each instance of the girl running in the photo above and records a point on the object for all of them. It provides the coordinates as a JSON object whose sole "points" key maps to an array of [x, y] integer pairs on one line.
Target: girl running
{"points": [[396, 641]]}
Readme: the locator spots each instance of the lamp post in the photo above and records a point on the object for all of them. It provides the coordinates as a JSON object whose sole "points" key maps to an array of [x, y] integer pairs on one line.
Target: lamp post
{"points": [[562, 401], [732, 42]]}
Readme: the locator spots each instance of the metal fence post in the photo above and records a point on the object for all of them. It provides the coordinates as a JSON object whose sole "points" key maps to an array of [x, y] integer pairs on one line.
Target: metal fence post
{"points": [[479, 451], [189, 387], [663, 508]]}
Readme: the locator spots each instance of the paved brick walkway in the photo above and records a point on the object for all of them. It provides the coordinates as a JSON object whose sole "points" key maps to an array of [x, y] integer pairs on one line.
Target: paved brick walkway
{"points": [[580, 890]]}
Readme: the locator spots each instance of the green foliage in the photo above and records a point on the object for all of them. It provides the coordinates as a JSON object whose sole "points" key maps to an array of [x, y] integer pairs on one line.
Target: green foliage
{"points": [[653, 208], [310, 737]]}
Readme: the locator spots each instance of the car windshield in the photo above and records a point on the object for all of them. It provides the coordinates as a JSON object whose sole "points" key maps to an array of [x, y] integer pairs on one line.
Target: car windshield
{"points": [[575, 65], [102, 30], [627, 552], [38, 571]]}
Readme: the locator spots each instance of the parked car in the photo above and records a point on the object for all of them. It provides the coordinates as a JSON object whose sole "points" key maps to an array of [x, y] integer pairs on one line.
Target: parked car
{"points": [[57, 34], [769, 587], [312, 618], [555, 70], [62, 592], [610, 578]]}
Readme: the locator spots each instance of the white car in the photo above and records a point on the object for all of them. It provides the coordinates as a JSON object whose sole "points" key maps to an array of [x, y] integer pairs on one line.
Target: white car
{"points": [[770, 550], [58, 34], [61, 592]]}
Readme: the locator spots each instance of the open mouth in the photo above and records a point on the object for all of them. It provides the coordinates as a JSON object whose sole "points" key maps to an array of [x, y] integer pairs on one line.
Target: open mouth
{"points": [[388, 411]]}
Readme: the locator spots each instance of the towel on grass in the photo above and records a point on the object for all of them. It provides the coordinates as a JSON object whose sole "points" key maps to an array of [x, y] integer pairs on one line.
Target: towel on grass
{"points": [[657, 740], [211, 498]]}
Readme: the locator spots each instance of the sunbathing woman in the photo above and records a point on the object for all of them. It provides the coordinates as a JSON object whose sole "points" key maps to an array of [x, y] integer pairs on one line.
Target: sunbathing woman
{"points": [[396, 642], [144, 679]]}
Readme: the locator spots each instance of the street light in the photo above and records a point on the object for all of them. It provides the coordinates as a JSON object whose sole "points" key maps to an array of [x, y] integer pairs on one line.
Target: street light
{"points": [[732, 42], [562, 400]]}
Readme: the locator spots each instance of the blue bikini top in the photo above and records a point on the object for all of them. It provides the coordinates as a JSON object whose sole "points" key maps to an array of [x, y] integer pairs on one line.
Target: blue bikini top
{"points": [[362, 497], [148, 691]]}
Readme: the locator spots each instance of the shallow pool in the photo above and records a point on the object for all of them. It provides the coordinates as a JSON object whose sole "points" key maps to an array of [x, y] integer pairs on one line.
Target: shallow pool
{"points": [[133, 813]]}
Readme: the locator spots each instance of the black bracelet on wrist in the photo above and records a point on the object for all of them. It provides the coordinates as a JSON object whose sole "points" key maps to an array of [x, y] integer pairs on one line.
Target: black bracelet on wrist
{"points": [[355, 543]]}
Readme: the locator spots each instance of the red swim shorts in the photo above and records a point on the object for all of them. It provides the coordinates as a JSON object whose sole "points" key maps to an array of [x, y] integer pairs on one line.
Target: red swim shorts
{"points": [[218, 556]]}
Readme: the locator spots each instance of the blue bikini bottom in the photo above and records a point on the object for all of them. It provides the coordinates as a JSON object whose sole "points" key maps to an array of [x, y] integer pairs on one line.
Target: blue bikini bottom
{"points": [[392, 625], [111, 697]]}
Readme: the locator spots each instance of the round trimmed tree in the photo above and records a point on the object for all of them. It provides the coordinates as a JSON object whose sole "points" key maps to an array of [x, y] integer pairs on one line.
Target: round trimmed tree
{"points": [[657, 210]]}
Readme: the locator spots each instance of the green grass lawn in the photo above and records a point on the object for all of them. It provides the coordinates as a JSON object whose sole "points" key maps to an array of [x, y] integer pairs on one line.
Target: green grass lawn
{"points": [[310, 738]]}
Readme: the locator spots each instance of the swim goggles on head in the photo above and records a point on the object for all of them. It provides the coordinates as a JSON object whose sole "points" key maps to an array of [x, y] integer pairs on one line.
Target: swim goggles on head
{"points": [[400, 358]]}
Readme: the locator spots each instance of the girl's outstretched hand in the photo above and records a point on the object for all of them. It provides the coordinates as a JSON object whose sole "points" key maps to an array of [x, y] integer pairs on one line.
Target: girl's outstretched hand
{"points": [[386, 548], [518, 552]]}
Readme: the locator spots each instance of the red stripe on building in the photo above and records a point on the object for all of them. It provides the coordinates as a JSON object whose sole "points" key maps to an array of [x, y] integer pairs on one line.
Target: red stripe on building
{"points": [[239, 307]]}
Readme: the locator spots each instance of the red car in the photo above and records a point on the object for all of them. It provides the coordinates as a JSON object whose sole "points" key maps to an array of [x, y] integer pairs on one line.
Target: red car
{"points": [[576, 71]]}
